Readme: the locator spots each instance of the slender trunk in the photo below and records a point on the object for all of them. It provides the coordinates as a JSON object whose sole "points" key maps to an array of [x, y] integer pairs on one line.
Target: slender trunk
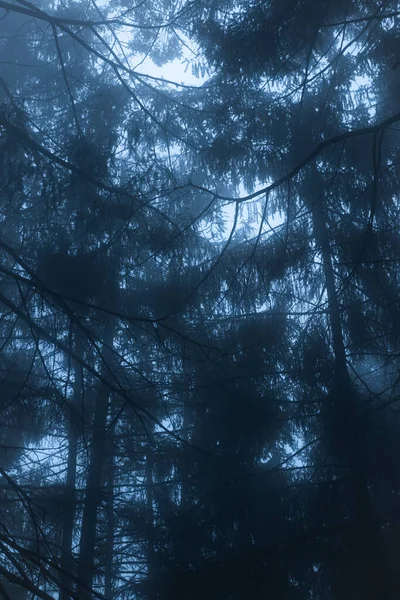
{"points": [[86, 566], [150, 519], [348, 436], [185, 456], [108, 576], [66, 559]]}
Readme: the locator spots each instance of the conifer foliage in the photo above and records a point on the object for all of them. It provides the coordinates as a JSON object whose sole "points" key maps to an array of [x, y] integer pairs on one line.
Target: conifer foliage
{"points": [[199, 300]]}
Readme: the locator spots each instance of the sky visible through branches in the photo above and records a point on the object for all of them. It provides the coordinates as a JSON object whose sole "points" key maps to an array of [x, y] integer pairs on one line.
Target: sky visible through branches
{"points": [[199, 300]]}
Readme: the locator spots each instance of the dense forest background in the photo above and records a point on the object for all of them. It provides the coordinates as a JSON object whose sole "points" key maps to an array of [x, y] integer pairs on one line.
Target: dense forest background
{"points": [[199, 300]]}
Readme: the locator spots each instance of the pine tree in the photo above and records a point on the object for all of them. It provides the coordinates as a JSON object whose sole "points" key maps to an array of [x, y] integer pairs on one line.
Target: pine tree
{"points": [[225, 403], [295, 117]]}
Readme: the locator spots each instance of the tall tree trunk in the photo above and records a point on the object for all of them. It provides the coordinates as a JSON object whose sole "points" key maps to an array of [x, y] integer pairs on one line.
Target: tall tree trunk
{"points": [[348, 436], [150, 520], [185, 455], [93, 493], [109, 572], [66, 559]]}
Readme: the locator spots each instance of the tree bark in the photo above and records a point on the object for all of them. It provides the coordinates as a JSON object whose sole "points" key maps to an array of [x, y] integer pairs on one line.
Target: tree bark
{"points": [[108, 576], [348, 436], [66, 559], [93, 493], [150, 518], [185, 456]]}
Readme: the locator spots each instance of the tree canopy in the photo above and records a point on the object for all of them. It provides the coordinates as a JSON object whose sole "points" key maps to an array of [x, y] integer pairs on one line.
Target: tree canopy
{"points": [[199, 300]]}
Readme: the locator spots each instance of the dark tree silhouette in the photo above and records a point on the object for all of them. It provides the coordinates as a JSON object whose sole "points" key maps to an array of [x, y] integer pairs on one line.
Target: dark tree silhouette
{"points": [[199, 300]]}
